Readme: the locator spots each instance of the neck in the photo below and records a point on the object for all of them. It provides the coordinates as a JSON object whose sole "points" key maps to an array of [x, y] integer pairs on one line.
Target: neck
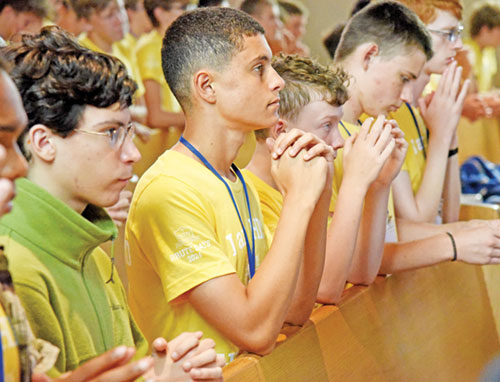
{"points": [[41, 177], [101, 43], [218, 144], [352, 109], [261, 162]]}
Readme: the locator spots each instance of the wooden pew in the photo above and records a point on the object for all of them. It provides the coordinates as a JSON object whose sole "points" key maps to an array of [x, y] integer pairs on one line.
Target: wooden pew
{"points": [[432, 324]]}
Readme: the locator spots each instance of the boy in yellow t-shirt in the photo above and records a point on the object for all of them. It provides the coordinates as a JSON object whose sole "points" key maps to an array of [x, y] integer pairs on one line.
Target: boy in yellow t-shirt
{"points": [[311, 101], [164, 112], [199, 255], [430, 175], [383, 71]]}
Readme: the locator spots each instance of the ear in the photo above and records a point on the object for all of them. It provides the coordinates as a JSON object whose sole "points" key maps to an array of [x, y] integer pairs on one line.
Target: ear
{"points": [[369, 53], [203, 86], [158, 12], [41, 143], [280, 128]]}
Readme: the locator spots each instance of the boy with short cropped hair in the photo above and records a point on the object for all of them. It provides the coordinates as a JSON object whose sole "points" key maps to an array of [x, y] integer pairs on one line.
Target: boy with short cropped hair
{"points": [[199, 248], [383, 67], [312, 101]]}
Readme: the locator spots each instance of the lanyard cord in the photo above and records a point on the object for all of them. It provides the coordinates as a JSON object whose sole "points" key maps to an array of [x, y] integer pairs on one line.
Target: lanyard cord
{"points": [[345, 128], [418, 129], [250, 250]]}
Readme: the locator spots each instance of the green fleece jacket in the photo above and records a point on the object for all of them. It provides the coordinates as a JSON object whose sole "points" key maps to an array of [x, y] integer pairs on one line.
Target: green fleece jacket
{"points": [[61, 277]]}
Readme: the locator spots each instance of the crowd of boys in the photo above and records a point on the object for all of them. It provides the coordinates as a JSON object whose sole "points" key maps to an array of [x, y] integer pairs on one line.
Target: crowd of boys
{"points": [[354, 174]]}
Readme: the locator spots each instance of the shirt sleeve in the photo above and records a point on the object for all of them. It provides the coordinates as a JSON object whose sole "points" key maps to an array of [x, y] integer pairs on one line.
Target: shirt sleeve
{"points": [[175, 228]]}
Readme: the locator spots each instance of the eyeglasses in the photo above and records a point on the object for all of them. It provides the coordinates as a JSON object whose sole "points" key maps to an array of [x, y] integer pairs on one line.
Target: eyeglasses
{"points": [[451, 35], [116, 135]]}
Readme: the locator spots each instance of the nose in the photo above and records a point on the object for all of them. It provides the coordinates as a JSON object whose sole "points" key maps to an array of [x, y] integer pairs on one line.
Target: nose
{"points": [[276, 82], [459, 44], [407, 93], [15, 165], [335, 139], [129, 152]]}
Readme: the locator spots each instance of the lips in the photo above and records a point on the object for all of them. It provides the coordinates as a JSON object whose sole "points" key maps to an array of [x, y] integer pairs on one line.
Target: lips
{"points": [[276, 102]]}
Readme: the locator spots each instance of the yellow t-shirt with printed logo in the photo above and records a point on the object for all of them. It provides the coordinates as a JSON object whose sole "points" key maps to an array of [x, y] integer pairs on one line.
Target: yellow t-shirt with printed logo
{"points": [[415, 161], [346, 129], [126, 58], [182, 231], [10, 353], [271, 200]]}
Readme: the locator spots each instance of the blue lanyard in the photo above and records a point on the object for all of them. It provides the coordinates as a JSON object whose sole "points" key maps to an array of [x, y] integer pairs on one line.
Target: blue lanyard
{"points": [[250, 250], [418, 129], [345, 128]]}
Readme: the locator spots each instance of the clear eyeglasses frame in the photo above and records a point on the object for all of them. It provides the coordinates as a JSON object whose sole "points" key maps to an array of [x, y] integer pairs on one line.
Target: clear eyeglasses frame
{"points": [[116, 135], [452, 35]]}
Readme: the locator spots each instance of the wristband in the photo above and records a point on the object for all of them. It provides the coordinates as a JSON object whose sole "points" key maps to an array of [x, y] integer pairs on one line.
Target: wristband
{"points": [[454, 246], [453, 152]]}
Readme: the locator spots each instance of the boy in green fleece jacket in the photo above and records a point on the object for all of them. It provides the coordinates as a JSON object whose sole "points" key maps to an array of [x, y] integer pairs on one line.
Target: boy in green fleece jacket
{"points": [[78, 142]]}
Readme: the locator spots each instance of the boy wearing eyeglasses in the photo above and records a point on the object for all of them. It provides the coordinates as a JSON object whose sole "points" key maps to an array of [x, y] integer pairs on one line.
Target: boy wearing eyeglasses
{"points": [[429, 184], [81, 154]]}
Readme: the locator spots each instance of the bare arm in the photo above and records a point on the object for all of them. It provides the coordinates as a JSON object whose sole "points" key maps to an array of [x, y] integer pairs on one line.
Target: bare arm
{"points": [[452, 188], [369, 250], [364, 156], [238, 311], [476, 245], [441, 116], [157, 117]]}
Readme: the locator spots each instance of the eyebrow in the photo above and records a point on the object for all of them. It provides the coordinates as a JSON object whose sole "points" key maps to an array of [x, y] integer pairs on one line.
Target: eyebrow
{"points": [[110, 122], [8, 129], [261, 58]]}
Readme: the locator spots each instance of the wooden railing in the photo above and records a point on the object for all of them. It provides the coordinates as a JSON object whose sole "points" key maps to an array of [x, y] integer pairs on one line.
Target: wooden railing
{"points": [[434, 324]]}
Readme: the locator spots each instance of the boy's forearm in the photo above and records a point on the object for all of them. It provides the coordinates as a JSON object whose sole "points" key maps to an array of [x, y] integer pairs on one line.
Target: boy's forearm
{"points": [[405, 256], [451, 192], [272, 288], [341, 241], [313, 261], [371, 237], [428, 196]]}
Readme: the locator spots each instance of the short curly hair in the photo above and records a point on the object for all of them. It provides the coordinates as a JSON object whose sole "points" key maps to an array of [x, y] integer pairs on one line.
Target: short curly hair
{"points": [[58, 78], [305, 81]]}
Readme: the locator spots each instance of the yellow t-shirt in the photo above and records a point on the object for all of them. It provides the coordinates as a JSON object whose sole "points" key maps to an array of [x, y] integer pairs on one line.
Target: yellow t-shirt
{"points": [[415, 161], [148, 53], [127, 59], [484, 64], [10, 353], [271, 200], [346, 129], [182, 231]]}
